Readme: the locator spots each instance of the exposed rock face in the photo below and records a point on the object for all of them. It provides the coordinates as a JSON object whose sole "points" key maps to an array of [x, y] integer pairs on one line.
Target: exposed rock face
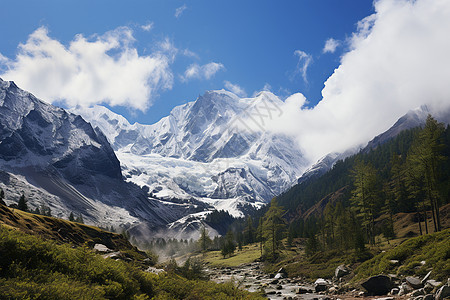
{"points": [[378, 285]]}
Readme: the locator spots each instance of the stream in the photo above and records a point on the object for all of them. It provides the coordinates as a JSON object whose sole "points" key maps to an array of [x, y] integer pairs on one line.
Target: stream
{"points": [[252, 278]]}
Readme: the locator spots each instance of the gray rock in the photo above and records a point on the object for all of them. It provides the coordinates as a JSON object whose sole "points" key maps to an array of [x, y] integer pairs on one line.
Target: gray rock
{"points": [[443, 292], [320, 285], [280, 275], [341, 271], [414, 282], [303, 290], [405, 289], [394, 261], [378, 285]]}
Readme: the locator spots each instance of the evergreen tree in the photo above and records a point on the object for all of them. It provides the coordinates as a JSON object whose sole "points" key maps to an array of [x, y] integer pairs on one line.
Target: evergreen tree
{"points": [[22, 205], [273, 225], [228, 247], [71, 217], [426, 156], [364, 196], [2, 197], [204, 240], [249, 231]]}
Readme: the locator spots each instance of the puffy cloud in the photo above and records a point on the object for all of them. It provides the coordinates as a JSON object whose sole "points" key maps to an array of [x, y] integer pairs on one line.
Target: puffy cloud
{"points": [[202, 72], [234, 88], [179, 11], [147, 27], [304, 60], [398, 60], [100, 69], [331, 45]]}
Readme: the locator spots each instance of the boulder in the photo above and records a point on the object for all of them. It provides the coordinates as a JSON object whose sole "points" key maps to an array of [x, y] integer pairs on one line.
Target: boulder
{"points": [[320, 285], [303, 290], [340, 271], [443, 292], [378, 285], [419, 292], [414, 282]]}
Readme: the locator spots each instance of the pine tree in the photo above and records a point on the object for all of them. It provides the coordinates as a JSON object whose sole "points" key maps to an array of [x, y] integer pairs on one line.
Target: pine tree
{"points": [[426, 155], [273, 225], [228, 247], [365, 196], [249, 231], [204, 240], [22, 205], [2, 197], [71, 217]]}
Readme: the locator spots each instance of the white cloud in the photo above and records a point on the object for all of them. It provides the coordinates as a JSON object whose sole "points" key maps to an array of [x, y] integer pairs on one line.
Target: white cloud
{"points": [[304, 60], [398, 60], [206, 71], [331, 45], [147, 27], [179, 11], [100, 69], [234, 88]]}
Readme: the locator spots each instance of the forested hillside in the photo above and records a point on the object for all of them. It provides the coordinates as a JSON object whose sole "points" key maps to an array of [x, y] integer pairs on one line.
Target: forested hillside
{"points": [[408, 174]]}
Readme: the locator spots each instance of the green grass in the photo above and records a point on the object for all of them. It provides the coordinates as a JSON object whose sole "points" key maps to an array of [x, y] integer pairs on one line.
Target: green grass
{"points": [[248, 254], [434, 249], [33, 268]]}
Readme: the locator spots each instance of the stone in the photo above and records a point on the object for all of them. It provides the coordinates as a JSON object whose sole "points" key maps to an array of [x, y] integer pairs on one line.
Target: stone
{"points": [[443, 292], [386, 298], [340, 271], [280, 275], [424, 280], [414, 282], [101, 248], [280, 287], [405, 289], [275, 281], [378, 285], [320, 285], [303, 290], [394, 261]]}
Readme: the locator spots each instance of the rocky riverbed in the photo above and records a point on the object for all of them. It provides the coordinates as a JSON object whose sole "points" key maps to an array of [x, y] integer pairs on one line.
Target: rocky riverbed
{"points": [[279, 286], [253, 279]]}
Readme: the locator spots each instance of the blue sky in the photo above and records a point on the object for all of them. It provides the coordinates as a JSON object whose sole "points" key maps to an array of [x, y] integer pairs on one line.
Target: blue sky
{"points": [[252, 43]]}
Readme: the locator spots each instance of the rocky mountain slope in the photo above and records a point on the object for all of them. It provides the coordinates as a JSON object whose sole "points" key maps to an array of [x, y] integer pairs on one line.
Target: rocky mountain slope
{"points": [[55, 158]]}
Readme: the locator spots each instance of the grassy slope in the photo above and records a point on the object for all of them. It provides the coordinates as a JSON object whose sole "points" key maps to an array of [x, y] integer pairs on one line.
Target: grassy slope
{"points": [[61, 230], [37, 262], [248, 254], [434, 249]]}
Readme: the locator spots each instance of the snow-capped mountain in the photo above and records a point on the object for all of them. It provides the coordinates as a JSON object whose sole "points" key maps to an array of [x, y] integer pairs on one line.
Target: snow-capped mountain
{"points": [[57, 159], [214, 149]]}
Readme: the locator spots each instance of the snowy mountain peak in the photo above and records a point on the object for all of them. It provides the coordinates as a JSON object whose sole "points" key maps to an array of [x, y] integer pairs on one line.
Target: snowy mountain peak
{"points": [[198, 152]]}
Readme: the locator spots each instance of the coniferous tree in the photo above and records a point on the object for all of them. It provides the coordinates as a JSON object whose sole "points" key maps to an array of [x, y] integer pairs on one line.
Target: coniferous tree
{"points": [[204, 240], [273, 225], [365, 196], [426, 156], [2, 197], [22, 204], [71, 217]]}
